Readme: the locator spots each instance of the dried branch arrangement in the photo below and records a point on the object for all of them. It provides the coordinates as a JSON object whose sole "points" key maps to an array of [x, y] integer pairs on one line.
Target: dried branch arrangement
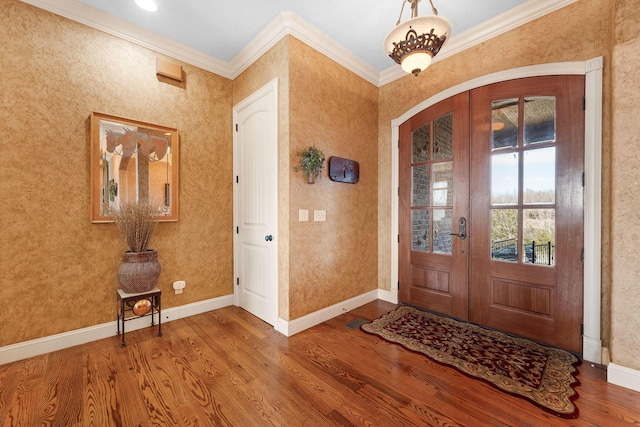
{"points": [[136, 222]]}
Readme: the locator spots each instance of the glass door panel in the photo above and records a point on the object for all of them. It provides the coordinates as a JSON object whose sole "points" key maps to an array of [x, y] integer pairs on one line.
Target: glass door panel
{"points": [[420, 230], [539, 176], [504, 179], [432, 186], [523, 178], [539, 119], [442, 184], [504, 234], [539, 228], [421, 144], [442, 224], [421, 186], [504, 123], [443, 137]]}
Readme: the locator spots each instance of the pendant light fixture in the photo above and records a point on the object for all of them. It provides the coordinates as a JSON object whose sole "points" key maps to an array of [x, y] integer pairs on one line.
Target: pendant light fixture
{"points": [[415, 42]]}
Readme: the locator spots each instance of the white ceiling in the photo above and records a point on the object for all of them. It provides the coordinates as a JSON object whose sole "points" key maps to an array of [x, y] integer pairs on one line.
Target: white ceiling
{"points": [[224, 30]]}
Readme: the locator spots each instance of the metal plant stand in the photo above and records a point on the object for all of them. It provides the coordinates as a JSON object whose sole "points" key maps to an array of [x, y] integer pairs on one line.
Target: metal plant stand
{"points": [[133, 306]]}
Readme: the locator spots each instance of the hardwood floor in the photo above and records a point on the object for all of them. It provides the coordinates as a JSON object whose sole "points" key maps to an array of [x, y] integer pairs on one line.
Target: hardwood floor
{"points": [[227, 368]]}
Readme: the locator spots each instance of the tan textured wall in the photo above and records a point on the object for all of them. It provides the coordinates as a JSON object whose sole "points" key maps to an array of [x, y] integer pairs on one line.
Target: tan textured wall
{"points": [[577, 32], [625, 178], [58, 270], [275, 65], [321, 103], [336, 111]]}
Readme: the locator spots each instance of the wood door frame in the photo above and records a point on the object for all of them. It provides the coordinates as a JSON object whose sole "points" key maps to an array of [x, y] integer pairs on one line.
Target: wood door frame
{"points": [[592, 70]]}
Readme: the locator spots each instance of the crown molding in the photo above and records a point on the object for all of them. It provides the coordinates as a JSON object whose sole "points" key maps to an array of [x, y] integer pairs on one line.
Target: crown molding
{"points": [[287, 23]]}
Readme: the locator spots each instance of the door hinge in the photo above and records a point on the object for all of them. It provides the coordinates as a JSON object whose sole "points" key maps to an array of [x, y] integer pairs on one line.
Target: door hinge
{"points": [[398, 143], [584, 103], [237, 230], [582, 328], [398, 285], [237, 179], [398, 238], [236, 127], [237, 281], [583, 179], [582, 255]]}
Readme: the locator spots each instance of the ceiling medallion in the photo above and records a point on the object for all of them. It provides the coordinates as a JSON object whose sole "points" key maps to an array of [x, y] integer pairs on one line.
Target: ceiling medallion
{"points": [[415, 42]]}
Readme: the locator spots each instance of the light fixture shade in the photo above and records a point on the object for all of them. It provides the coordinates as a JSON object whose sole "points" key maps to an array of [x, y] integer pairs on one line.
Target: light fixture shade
{"points": [[416, 62], [416, 41]]}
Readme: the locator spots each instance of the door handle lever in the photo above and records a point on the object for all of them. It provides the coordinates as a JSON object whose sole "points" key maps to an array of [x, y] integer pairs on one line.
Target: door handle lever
{"points": [[462, 228]]}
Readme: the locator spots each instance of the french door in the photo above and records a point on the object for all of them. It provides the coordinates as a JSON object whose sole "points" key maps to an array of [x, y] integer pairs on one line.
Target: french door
{"points": [[514, 217], [434, 199]]}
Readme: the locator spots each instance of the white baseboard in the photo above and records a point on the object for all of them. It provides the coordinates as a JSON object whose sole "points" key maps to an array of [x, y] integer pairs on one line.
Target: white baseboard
{"points": [[592, 350], [294, 326], [23, 350], [624, 377], [388, 296]]}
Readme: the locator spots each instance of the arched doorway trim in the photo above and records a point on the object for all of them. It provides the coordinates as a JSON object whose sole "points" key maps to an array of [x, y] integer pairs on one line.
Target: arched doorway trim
{"points": [[592, 70]]}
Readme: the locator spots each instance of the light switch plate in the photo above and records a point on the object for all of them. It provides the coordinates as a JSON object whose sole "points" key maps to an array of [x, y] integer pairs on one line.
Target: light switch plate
{"points": [[303, 215], [319, 216]]}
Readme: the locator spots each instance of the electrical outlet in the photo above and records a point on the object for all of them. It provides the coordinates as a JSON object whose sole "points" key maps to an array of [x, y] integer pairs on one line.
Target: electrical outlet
{"points": [[178, 286]]}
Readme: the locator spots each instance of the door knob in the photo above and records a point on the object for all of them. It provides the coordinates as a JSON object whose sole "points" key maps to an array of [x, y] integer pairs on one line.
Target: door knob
{"points": [[268, 238]]}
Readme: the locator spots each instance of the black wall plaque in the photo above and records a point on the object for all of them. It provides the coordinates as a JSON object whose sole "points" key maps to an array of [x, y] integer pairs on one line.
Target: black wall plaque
{"points": [[344, 170]]}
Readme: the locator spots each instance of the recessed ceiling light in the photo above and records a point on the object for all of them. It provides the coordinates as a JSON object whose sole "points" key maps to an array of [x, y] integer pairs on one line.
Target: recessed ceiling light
{"points": [[149, 5]]}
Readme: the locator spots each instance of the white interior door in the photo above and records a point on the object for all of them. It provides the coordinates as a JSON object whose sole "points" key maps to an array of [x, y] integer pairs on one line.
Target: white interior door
{"points": [[256, 203]]}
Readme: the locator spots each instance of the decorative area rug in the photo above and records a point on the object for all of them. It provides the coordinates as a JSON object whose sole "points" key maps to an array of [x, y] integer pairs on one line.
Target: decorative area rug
{"points": [[542, 375]]}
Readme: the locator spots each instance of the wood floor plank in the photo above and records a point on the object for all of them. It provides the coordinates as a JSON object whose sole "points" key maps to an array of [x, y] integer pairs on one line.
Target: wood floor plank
{"points": [[98, 392], [388, 361], [59, 377], [205, 378], [228, 368], [258, 372]]}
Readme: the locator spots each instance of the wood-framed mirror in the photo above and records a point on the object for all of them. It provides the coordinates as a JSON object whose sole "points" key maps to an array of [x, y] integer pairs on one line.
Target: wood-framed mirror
{"points": [[133, 161]]}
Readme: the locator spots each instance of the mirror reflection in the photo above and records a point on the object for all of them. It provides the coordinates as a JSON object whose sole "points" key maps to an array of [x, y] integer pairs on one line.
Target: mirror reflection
{"points": [[133, 161]]}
